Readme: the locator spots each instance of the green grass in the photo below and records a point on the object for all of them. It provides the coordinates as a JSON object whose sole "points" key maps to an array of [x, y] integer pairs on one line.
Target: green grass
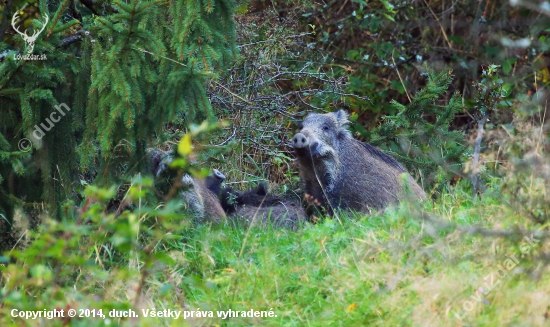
{"points": [[390, 269], [383, 270]]}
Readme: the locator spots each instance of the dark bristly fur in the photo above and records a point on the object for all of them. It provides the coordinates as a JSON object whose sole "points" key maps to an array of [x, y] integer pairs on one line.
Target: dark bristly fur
{"points": [[341, 172], [214, 181], [158, 161], [256, 206], [254, 197], [231, 199], [228, 198], [286, 214], [252, 206]]}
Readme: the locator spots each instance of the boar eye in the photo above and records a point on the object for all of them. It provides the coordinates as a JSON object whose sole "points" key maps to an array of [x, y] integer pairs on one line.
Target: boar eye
{"points": [[325, 128]]}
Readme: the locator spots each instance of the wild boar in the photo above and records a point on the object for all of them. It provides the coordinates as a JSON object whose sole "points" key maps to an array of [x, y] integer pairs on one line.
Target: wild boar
{"points": [[202, 202], [256, 206], [339, 171]]}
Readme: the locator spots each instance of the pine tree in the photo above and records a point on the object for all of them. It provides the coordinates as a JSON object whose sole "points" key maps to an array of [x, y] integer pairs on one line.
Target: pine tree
{"points": [[138, 66], [417, 142]]}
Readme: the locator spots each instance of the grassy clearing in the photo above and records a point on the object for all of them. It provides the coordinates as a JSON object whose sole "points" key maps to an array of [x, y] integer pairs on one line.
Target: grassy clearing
{"points": [[386, 270], [389, 269]]}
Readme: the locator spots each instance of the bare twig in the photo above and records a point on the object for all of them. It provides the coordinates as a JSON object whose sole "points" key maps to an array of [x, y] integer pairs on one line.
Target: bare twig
{"points": [[179, 63], [400, 78], [229, 138], [440, 26]]}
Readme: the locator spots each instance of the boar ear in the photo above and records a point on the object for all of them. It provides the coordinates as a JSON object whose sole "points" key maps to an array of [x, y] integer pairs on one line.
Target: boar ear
{"points": [[342, 117]]}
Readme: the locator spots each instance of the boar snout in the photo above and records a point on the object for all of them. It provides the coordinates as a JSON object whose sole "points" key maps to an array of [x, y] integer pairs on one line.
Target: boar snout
{"points": [[300, 141]]}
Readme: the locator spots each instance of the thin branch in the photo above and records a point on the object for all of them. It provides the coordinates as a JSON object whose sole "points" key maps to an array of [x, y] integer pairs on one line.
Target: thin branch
{"points": [[229, 138], [400, 78], [440, 26], [184, 65], [268, 40]]}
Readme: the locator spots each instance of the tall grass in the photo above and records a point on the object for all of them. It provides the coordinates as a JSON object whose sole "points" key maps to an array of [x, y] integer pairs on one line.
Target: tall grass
{"points": [[390, 269]]}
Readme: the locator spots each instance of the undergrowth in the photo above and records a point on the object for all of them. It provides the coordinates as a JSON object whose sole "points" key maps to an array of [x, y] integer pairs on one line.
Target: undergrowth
{"points": [[390, 269]]}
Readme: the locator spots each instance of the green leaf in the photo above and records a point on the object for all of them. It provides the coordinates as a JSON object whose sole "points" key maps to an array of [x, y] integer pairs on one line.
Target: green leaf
{"points": [[398, 86], [352, 54], [506, 90], [456, 39], [41, 272], [164, 258], [165, 289], [389, 17], [507, 65]]}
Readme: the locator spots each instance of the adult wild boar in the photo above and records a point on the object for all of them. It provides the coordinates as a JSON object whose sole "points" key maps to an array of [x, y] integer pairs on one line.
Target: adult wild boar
{"points": [[339, 171]]}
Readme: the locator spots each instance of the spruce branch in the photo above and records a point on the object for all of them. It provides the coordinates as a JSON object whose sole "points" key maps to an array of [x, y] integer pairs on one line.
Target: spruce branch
{"points": [[423, 144]]}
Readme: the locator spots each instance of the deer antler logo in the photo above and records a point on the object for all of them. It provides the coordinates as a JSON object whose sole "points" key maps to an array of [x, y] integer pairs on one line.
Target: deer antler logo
{"points": [[28, 39]]}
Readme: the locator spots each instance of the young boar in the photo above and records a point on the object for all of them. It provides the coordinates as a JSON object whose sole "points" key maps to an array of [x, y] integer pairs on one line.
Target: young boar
{"points": [[339, 171], [214, 181], [257, 207], [202, 202], [285, 214], [257, 196], [200, 196]]}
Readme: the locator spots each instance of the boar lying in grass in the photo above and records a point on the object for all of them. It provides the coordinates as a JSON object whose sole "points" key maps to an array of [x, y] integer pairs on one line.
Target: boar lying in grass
{"points": [[208, 202], [200, 196], [258, 207], [202, 202]]}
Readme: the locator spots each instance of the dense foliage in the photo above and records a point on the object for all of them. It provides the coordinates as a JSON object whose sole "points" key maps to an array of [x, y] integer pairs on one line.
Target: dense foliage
{"points": [[135, 67], [456, 91]]}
